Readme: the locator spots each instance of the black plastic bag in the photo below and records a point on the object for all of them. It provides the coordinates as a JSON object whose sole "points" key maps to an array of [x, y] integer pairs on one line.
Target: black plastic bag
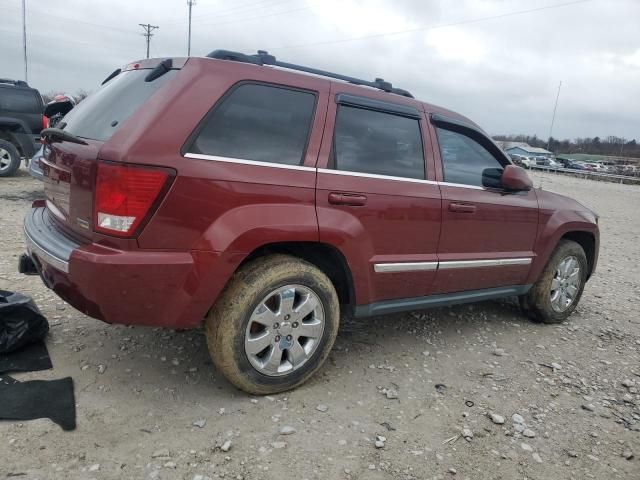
{"points": [[21, 323]]}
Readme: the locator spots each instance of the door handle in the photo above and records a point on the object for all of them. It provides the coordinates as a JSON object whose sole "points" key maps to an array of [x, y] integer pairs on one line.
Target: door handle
{"points": [[462, 208], [351, 199]]}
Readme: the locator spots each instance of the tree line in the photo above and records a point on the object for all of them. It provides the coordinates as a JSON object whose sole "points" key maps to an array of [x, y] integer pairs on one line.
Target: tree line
{"points": [[610, 146]]}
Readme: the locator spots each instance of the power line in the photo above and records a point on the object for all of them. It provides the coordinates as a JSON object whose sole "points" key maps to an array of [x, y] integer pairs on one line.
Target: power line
{"points": [[236, 10], [432, 27], [148, 29], [273, 14]]}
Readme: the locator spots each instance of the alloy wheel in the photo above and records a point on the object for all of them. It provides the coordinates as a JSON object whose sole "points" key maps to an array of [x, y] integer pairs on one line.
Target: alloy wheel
{"points": [[284, 330], [565, 284], [5, 159]]}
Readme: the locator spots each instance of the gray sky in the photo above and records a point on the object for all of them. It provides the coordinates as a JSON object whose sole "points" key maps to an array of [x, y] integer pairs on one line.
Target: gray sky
{"points": [[481, 58]]}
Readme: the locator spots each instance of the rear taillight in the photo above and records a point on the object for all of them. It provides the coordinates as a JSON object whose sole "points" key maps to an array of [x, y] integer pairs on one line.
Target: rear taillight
{"points": [[45, 122], [124, 196]]}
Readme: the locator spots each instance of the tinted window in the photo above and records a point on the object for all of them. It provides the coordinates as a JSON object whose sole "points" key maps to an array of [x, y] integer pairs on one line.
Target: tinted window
{"points": [[104, 111], [258, 122], [19, 100], [381, 143], [464, 159]]}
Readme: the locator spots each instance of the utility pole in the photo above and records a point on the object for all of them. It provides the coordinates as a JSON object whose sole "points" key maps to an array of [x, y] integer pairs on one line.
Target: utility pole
{"points": [[24, 38], [147, 33], [553, 118], [191, 3]]}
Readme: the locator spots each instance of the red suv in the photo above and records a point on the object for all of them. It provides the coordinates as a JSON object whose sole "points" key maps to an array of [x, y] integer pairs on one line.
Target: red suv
{"points": [[269, 198]]}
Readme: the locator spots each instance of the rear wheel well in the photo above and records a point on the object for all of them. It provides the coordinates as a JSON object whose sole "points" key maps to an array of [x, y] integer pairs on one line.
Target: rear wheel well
{"points": [[9, 136], [588, 243], [324, 256]]}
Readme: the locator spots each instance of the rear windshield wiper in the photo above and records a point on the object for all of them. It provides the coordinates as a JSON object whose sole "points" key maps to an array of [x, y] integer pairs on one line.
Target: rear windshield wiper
{"points": [[113, 74], [51, 133], [162, 68]]}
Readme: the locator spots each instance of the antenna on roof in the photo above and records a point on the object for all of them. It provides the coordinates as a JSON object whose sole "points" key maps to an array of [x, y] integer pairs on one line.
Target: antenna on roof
{"points": [[264, 58]]}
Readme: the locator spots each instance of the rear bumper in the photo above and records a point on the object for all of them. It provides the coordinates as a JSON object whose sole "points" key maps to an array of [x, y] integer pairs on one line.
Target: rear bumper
{"points": [[155, 288]]}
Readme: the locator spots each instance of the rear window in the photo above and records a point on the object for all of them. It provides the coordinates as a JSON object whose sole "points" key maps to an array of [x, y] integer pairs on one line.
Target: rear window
{"points": [[16, 99], [101, 113]]}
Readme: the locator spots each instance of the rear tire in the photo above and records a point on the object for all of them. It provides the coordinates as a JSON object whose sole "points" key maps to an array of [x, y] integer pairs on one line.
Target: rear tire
{"points": [[273, 325], [558, 290], [9, 159]]}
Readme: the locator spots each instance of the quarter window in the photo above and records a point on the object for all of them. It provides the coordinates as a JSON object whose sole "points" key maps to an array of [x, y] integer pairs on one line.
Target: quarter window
{"points": [[258, 122], [466, 161], [375, 142]]}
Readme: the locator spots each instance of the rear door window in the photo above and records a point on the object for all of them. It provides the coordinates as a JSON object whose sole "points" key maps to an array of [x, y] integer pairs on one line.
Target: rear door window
{"points": [[258, 122], [380, 143], [104, 111]]}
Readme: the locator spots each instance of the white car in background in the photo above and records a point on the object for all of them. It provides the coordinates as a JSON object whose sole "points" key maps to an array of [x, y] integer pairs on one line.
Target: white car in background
{"points": [[522, 161]]}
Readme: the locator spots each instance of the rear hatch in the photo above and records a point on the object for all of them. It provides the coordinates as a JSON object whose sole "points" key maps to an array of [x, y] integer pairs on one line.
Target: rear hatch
{"points": [[70, 168]]}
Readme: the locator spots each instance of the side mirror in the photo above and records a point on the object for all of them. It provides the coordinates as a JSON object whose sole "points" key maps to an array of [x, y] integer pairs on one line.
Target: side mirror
{"points": [[492, 177], [515, 179]]}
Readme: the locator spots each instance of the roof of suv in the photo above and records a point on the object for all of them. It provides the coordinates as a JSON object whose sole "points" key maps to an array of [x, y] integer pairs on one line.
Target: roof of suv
{"points": [[14, 83], [263, 58]]}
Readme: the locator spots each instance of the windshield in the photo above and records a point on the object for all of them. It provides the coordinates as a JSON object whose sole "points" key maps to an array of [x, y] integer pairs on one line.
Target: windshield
{"points": [[101, 113]]}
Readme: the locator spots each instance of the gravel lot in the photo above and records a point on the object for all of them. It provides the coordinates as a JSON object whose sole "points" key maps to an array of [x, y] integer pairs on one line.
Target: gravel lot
{"points": [[150, 404]]}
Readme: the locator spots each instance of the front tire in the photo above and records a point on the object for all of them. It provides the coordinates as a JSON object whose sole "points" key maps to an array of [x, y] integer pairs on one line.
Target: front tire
{"points": [[9, 159], [558, 290], [274, 324]]}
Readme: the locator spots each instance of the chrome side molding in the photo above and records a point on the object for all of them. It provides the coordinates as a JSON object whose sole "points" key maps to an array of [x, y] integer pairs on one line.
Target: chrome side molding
{"points": [[449, 265]]}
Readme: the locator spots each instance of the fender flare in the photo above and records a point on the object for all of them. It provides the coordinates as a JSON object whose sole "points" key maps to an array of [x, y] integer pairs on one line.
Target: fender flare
{"points": [[551, 234]]}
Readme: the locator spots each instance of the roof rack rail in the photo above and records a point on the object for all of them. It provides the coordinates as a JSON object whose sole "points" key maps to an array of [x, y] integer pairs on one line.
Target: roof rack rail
{"points": [[263, 58], [17, 83]]}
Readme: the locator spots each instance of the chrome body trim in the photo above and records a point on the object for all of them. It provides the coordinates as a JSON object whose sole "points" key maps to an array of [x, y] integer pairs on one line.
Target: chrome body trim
{"points": [[498, 262], [461, 185], [448, 265], [375, 175], [256, 163], [404, 267], [48, 258]]}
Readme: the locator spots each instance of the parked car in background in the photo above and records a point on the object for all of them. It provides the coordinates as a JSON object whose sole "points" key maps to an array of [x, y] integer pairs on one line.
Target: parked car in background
{"points": [[575, 165], [595, 167], [21, 120], [521, 160], [516, 159], [547, 162], [241, 190], [631, 170]]}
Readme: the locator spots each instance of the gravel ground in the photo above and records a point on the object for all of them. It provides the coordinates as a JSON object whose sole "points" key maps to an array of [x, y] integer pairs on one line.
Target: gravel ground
{"points": [[395, 399]]}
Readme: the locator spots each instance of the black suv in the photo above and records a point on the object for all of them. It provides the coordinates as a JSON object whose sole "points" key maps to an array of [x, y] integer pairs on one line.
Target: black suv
{"points": [[21, 121]]}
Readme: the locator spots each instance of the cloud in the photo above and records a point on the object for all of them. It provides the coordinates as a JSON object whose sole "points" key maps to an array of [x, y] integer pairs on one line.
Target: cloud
{"points": [[479, 57]]}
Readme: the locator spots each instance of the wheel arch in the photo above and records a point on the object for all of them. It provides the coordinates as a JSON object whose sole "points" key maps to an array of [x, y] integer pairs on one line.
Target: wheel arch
{"points": [[323, 255], [587, 240]]}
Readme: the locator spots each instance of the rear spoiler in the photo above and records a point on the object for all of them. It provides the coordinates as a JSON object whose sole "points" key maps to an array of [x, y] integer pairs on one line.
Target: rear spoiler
{"points": [[162, 64]]}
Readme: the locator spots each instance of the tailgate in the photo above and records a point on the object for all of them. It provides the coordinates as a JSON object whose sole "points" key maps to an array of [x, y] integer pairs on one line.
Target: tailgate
{"points": [[69, 177]]}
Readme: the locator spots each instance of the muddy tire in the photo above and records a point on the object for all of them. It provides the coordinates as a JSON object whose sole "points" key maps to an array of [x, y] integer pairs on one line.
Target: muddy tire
{"points": [[274, 324], [9, 159], [558, 290]]}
